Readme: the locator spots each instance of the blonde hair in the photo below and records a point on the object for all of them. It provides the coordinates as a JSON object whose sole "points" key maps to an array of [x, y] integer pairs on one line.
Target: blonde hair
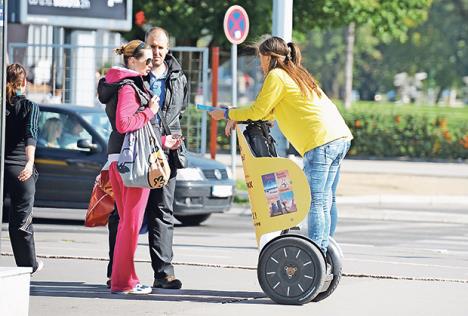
{"points": [[50, 128], [16, 74], [133, 48], [288, 57]]}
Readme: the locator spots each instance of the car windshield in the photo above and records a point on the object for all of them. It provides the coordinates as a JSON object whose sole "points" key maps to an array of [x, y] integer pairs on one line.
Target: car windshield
{"points": [[100, 122]]}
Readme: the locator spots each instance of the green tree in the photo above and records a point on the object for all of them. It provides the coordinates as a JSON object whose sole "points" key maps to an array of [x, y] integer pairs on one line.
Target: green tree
{"points": [[438, 47], [190, 20]]}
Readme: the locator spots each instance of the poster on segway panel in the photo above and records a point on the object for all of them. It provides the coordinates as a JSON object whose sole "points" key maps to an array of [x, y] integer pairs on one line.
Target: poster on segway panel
{"points": [[278, 190]]}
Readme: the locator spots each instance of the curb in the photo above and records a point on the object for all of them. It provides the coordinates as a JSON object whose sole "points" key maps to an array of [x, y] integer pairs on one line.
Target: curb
{"points": [[407, 199], [436, 200], [385, 211]]}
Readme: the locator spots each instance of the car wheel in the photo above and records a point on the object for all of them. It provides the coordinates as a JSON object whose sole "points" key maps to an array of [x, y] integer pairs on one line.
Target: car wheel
{"points": [[192, 220]]}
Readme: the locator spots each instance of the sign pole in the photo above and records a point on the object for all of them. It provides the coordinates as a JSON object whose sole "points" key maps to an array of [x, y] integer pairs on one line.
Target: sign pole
{"points": [[236, 29], [234, 104]]}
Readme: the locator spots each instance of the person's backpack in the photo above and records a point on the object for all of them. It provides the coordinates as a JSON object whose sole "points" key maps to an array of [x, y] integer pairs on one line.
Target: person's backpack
{"points": [[257, 134]]}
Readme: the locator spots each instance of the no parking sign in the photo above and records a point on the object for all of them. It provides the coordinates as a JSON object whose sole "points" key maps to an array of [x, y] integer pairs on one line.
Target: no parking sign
{"points": [[236, 24]]}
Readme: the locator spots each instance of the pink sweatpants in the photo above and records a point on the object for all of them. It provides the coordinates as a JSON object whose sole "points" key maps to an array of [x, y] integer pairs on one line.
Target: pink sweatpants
{"points": [[131, 204]]}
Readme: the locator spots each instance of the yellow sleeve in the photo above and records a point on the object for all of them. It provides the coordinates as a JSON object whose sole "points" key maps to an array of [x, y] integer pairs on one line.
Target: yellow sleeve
{"points": [[270, 95]]}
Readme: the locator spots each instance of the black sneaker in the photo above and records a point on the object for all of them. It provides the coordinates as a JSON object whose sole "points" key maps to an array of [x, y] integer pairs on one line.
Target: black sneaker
{"points": [[169, 282], [39, 267]]}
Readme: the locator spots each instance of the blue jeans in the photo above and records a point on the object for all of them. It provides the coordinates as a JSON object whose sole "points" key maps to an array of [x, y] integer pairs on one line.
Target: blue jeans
{"points": [[321, 167], [334, 209]]}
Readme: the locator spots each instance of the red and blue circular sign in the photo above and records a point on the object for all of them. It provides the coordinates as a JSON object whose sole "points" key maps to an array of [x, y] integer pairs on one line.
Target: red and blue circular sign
{"points": [[236, 24]]}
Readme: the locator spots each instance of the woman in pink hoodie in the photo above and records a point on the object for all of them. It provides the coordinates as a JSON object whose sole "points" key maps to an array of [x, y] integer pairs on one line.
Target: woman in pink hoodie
{"points": [[131, 110]]}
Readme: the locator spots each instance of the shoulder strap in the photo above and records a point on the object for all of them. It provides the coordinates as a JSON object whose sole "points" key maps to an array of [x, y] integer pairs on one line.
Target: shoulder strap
{"points": [[167, 131], [144, 97]]}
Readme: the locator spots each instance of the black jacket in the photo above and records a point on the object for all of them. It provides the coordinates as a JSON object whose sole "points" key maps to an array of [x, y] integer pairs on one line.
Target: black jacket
{"points": [[108, 94], [21, 129], [177, 95]]}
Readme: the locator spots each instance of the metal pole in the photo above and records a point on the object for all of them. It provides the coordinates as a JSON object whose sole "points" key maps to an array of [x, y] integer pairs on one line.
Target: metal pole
{"points": [[282, 27], [282, 19], [234, 104], [3, 63], [214, 99], [205, 54]]}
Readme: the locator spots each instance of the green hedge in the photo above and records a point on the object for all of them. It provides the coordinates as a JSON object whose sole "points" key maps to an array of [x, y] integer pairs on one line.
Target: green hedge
{"points": [[387, 130]]}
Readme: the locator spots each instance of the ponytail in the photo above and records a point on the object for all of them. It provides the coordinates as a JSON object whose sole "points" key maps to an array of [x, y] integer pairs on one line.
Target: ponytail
{"points": [[16, 74], [288, 57], [295, 53], [133, 48]]}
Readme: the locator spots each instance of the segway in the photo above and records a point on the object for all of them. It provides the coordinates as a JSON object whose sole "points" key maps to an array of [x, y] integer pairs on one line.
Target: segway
{"points": [[291, 268]]}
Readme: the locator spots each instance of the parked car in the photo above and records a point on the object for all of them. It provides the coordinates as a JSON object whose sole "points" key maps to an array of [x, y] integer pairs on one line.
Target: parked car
{"points": [[72, 148]]}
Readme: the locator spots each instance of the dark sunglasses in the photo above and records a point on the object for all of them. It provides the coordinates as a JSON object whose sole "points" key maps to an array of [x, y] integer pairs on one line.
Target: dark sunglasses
{"points": [[148, 61]]}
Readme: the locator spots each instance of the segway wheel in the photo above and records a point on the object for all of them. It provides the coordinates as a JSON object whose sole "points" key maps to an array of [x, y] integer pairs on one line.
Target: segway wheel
{"points": [[334, 259], [291, 270]]}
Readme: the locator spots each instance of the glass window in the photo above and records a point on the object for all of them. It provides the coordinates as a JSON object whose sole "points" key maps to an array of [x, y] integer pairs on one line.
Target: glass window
{"points": [[63, 131], [100, 122]]}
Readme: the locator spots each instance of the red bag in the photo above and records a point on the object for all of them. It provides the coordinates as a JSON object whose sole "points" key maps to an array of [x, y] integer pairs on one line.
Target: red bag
{"points": [[101, 203]]}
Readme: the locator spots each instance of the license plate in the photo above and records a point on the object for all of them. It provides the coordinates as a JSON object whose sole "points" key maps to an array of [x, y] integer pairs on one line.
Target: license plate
{"points": [[221, 190]]}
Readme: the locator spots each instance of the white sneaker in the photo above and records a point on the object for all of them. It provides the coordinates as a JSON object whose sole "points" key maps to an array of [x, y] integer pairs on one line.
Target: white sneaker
{"points": [[137, 290], [40, 266]]}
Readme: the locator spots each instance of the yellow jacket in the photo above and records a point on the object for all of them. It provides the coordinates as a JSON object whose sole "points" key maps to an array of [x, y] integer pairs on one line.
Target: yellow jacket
{"points": [[307, 122]]}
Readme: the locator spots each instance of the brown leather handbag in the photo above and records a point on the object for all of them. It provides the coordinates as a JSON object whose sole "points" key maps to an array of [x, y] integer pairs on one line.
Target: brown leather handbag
{"points": [[101, 203]]}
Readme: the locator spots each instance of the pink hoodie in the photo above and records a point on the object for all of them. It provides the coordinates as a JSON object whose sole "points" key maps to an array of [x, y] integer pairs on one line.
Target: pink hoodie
{"points": [[127, 119]]}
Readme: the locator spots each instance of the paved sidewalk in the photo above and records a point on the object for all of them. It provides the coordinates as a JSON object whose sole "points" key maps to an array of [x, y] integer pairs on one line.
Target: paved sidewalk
{"points": [[392, 181]]}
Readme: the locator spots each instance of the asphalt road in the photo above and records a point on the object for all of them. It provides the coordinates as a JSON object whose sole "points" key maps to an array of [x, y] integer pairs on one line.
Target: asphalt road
{"points": [[401, 249], [390, 267]]}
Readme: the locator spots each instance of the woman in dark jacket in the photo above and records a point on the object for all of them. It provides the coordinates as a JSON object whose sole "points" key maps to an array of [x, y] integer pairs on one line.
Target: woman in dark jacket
{"points": [[20, 174]]}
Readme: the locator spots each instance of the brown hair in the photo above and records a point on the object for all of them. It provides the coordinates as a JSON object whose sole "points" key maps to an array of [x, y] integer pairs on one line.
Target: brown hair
{"points": [[16, 74], [288, 57], [133, 48]]}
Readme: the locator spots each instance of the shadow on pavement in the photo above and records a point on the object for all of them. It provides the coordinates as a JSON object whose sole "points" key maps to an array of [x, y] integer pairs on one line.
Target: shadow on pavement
{"points": [[84, 290]]}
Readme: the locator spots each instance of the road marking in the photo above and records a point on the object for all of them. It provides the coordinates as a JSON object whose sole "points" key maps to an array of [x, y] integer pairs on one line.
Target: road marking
{"points": [[407, 263], [253, 268]]}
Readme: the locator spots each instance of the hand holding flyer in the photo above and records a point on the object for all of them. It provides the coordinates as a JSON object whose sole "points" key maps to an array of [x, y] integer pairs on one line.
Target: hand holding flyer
{"points": [[203, 107]]}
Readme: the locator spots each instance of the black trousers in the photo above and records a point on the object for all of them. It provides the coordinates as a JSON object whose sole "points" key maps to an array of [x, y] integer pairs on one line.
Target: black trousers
{"points": [[160, 219], [20, 215]]}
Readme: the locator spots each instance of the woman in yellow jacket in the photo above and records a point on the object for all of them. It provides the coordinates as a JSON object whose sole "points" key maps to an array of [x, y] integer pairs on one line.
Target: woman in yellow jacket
{"points": [[308, 119]]}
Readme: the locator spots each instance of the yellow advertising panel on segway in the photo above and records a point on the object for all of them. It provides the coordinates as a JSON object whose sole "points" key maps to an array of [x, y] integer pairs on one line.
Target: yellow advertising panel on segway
{"points": [[278, 191]]}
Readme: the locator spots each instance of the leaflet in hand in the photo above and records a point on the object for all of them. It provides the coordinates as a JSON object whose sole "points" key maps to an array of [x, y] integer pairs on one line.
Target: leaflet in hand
{"points": [[203, 107]]}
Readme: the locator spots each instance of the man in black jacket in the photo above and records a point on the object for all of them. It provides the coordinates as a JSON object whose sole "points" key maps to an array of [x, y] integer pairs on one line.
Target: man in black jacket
{"points": [[168, 82]]}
